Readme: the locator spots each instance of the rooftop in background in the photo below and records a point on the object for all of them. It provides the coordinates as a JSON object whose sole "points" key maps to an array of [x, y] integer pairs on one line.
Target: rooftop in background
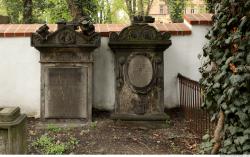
{"points": [[159, 10]]}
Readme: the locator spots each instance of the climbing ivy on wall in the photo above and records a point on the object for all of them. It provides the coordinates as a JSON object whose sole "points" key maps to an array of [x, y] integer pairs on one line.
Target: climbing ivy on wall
{"points": [[226, 76]]}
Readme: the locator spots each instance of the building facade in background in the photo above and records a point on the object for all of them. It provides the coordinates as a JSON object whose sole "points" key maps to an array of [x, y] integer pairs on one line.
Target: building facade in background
{"points": [[159, 9], [195, 7]]}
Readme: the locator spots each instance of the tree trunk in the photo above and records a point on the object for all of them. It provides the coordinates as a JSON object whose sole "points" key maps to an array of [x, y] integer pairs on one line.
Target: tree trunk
{"points": [[108, 20], [27, 11], [217, 133], [130, 9], [140, 7], [134, 8], [75, 8]]}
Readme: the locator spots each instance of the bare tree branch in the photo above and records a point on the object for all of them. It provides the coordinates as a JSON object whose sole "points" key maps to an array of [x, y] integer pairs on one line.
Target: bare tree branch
{"points": [[75, 8], [27, 11], [149, 6]]}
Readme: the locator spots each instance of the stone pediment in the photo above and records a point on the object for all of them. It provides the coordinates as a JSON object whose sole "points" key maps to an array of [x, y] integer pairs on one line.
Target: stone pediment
{"points": [[65, 36], [139, 33]]}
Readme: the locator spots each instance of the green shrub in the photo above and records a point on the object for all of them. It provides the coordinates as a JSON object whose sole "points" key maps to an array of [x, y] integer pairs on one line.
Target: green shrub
{"points": [[48, 146]]}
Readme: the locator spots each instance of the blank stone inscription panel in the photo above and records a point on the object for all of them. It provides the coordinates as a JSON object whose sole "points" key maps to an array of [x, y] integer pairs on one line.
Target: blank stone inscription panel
{"points": [[66, 93]]}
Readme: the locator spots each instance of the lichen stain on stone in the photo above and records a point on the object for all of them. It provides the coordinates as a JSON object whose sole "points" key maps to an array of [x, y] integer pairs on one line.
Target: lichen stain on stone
{"points": [[153, 99], [126, 97], [129, 101]]}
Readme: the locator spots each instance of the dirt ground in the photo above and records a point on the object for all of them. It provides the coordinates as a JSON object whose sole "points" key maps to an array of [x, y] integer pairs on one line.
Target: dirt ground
{"points": [[105, 136]]}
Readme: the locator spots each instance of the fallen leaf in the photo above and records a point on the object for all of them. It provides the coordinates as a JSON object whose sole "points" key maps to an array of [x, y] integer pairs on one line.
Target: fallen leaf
{"points": [[193, 146], [135, 139], [31, 132]]}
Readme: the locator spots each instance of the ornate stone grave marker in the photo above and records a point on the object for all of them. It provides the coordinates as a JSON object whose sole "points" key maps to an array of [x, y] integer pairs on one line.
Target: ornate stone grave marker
{"points": [[66, 69], [139, 71], [12, 131]]}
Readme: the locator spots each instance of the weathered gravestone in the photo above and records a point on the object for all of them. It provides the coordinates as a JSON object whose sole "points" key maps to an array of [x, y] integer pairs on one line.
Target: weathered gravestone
{"points": [[139, 71], [66, 69], [12, 131]]}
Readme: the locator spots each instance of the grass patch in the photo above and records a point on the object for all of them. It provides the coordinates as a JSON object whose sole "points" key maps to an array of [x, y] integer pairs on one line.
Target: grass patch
{"points": [[48, 145], [53, 128]]}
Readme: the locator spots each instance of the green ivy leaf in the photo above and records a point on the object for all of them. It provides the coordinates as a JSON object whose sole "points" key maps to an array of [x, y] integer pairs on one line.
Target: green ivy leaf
{"points": [[232, 21], [243, 118], [222, 98], [232, 149], [216, 85], [248, 58], [243, 22], [206, 137], [236, 79], [242, 139], [247, 132], [228, 142], [246, 147], [228, 40], [238, 102], [233, 130]]}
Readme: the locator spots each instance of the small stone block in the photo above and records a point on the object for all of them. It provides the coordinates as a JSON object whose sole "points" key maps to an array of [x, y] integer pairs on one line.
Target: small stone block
{"points": [[9, 114]]}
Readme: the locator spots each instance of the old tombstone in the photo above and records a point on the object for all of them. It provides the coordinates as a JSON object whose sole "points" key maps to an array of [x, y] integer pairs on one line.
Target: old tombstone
{"points": [[12, 131], [139, 69], [4, 19], [66, 69]]}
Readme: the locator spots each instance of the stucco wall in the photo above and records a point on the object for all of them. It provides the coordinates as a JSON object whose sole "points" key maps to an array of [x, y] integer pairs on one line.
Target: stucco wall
{"points": [[19, 75], [182, 57], [20, 71]]}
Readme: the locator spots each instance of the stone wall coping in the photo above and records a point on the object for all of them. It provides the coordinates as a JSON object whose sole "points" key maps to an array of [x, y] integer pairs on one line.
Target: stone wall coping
{"points": [[25, 30], [198, 19]]}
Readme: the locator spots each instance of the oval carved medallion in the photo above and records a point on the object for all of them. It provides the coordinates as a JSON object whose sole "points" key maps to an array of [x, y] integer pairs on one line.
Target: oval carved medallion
{"points": [[140, 71]]}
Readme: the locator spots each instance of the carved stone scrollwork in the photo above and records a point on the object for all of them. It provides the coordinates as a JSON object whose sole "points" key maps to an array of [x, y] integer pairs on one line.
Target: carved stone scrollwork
{"points": [[113, 36], [166, 36], [43, 31], [143, 19], [139, 32], [120, 64], [86, 26], [66, 37], [67, 34]]}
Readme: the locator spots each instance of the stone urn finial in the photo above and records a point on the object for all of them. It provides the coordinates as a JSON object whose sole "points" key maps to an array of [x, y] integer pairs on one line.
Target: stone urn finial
{"points": [[143, 19]]}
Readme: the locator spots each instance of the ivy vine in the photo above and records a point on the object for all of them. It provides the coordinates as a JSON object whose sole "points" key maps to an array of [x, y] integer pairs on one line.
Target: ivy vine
{"points": [[226, 74]]}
